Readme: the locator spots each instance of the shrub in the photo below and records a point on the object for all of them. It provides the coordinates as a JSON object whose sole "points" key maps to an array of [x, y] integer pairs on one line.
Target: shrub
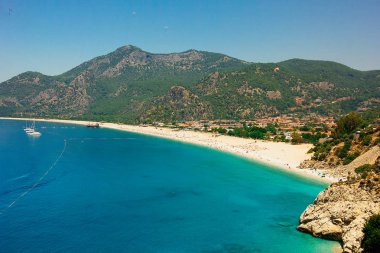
{"points": [[371, 240], [319, 156], [271, 128], [342, 153], [220, 130], [348, 123], [349, 158], [366, 168], [296, 138], [321, 150], [364, 175], [367, 140]]}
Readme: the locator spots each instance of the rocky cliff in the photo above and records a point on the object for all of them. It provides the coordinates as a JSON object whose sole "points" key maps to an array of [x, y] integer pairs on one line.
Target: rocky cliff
{"points": [[341, 211]]}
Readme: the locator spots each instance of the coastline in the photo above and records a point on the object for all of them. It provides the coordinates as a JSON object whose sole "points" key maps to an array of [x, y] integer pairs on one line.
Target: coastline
{"points": [[278, 154]]}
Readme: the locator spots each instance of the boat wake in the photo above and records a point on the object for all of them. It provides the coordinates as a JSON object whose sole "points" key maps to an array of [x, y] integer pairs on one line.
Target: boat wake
{"points": [[18, 178], [38, 182]]}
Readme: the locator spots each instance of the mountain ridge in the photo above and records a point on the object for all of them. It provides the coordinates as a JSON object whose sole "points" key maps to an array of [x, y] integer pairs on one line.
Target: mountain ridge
{"points": [[192, 49], [132, 85]]}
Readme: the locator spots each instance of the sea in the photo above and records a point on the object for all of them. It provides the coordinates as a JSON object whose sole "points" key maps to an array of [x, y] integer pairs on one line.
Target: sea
{"points": [[78, 189]]}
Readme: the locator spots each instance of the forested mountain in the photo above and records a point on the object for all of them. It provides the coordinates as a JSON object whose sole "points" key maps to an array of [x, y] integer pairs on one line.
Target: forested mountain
{"points": [[131, 85]]}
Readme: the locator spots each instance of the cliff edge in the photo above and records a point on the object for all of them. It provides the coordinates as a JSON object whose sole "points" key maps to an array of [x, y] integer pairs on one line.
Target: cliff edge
{"points": [[341, 211]]}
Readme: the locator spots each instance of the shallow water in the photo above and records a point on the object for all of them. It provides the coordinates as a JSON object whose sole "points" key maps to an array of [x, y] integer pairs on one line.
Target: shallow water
{"points": [[114, 191]]}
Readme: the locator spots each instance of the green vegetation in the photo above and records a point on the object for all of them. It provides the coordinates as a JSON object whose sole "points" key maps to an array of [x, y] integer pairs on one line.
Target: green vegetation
{"points": [[130, 85], [321, 150], [343, 152], [367, 168], [350, 157], [296, 138], [313, 138], [348, 124], [371, 240], [248, 132], [352, 134], [271, 128], [220, 130], [367, 139]]}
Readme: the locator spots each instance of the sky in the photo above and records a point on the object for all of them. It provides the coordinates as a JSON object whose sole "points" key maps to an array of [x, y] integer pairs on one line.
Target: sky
{"points": [[52, 36]]}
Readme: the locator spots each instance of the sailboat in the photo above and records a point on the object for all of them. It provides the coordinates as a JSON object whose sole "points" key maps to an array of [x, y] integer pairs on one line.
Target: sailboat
{"points": [[32, 130]]}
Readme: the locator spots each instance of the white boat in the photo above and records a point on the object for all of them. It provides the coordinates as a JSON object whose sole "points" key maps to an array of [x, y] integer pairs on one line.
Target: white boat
{"points": [[34, 133], [28, 129], [32, 130]]}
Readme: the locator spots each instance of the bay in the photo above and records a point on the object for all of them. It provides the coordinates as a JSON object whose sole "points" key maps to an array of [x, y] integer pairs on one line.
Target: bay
{"points": [[115, 191]]}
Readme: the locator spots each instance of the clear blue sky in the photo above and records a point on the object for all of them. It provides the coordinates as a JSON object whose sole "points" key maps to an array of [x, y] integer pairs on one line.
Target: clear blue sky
{"points": [[54, 36]]}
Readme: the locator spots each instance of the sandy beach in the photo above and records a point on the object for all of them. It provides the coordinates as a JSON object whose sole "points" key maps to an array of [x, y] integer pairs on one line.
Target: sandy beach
{"points": [[282, 155]]}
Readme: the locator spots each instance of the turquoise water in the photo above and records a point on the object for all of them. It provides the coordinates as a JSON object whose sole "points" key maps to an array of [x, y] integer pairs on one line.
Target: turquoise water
{"points": [[113, 191]]}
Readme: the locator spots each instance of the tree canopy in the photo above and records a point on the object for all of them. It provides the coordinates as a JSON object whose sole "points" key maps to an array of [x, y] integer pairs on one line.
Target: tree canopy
{"points": [[371, 240], [348, 124]]}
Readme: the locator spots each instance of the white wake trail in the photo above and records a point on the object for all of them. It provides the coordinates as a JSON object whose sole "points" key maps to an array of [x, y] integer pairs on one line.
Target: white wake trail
{"points": [[38, 181]]}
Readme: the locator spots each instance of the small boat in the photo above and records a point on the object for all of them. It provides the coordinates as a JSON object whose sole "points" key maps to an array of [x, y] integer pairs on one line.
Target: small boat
{"points": [[31, 131], [34, 133], [28, 129], [93, 125]]}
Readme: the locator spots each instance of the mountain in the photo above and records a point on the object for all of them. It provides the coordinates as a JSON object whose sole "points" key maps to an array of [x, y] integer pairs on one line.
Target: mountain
{"points": [[118, 85], [296, 86], [131, 85]]}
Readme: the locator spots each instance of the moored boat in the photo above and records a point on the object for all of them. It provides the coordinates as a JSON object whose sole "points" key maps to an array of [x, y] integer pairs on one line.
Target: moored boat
{"points": [[31, 131], [93, 124]]}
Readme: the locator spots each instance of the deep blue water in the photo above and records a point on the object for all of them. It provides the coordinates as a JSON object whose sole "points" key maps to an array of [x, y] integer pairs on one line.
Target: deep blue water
{"points": [[114, 191]]}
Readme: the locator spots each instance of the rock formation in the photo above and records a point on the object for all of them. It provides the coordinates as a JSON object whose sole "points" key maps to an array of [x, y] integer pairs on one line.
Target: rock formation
{"points": [[340, 213]]}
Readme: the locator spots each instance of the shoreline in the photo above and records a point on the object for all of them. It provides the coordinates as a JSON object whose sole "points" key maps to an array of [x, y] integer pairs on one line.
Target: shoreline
{"points": [[281, 155]]}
